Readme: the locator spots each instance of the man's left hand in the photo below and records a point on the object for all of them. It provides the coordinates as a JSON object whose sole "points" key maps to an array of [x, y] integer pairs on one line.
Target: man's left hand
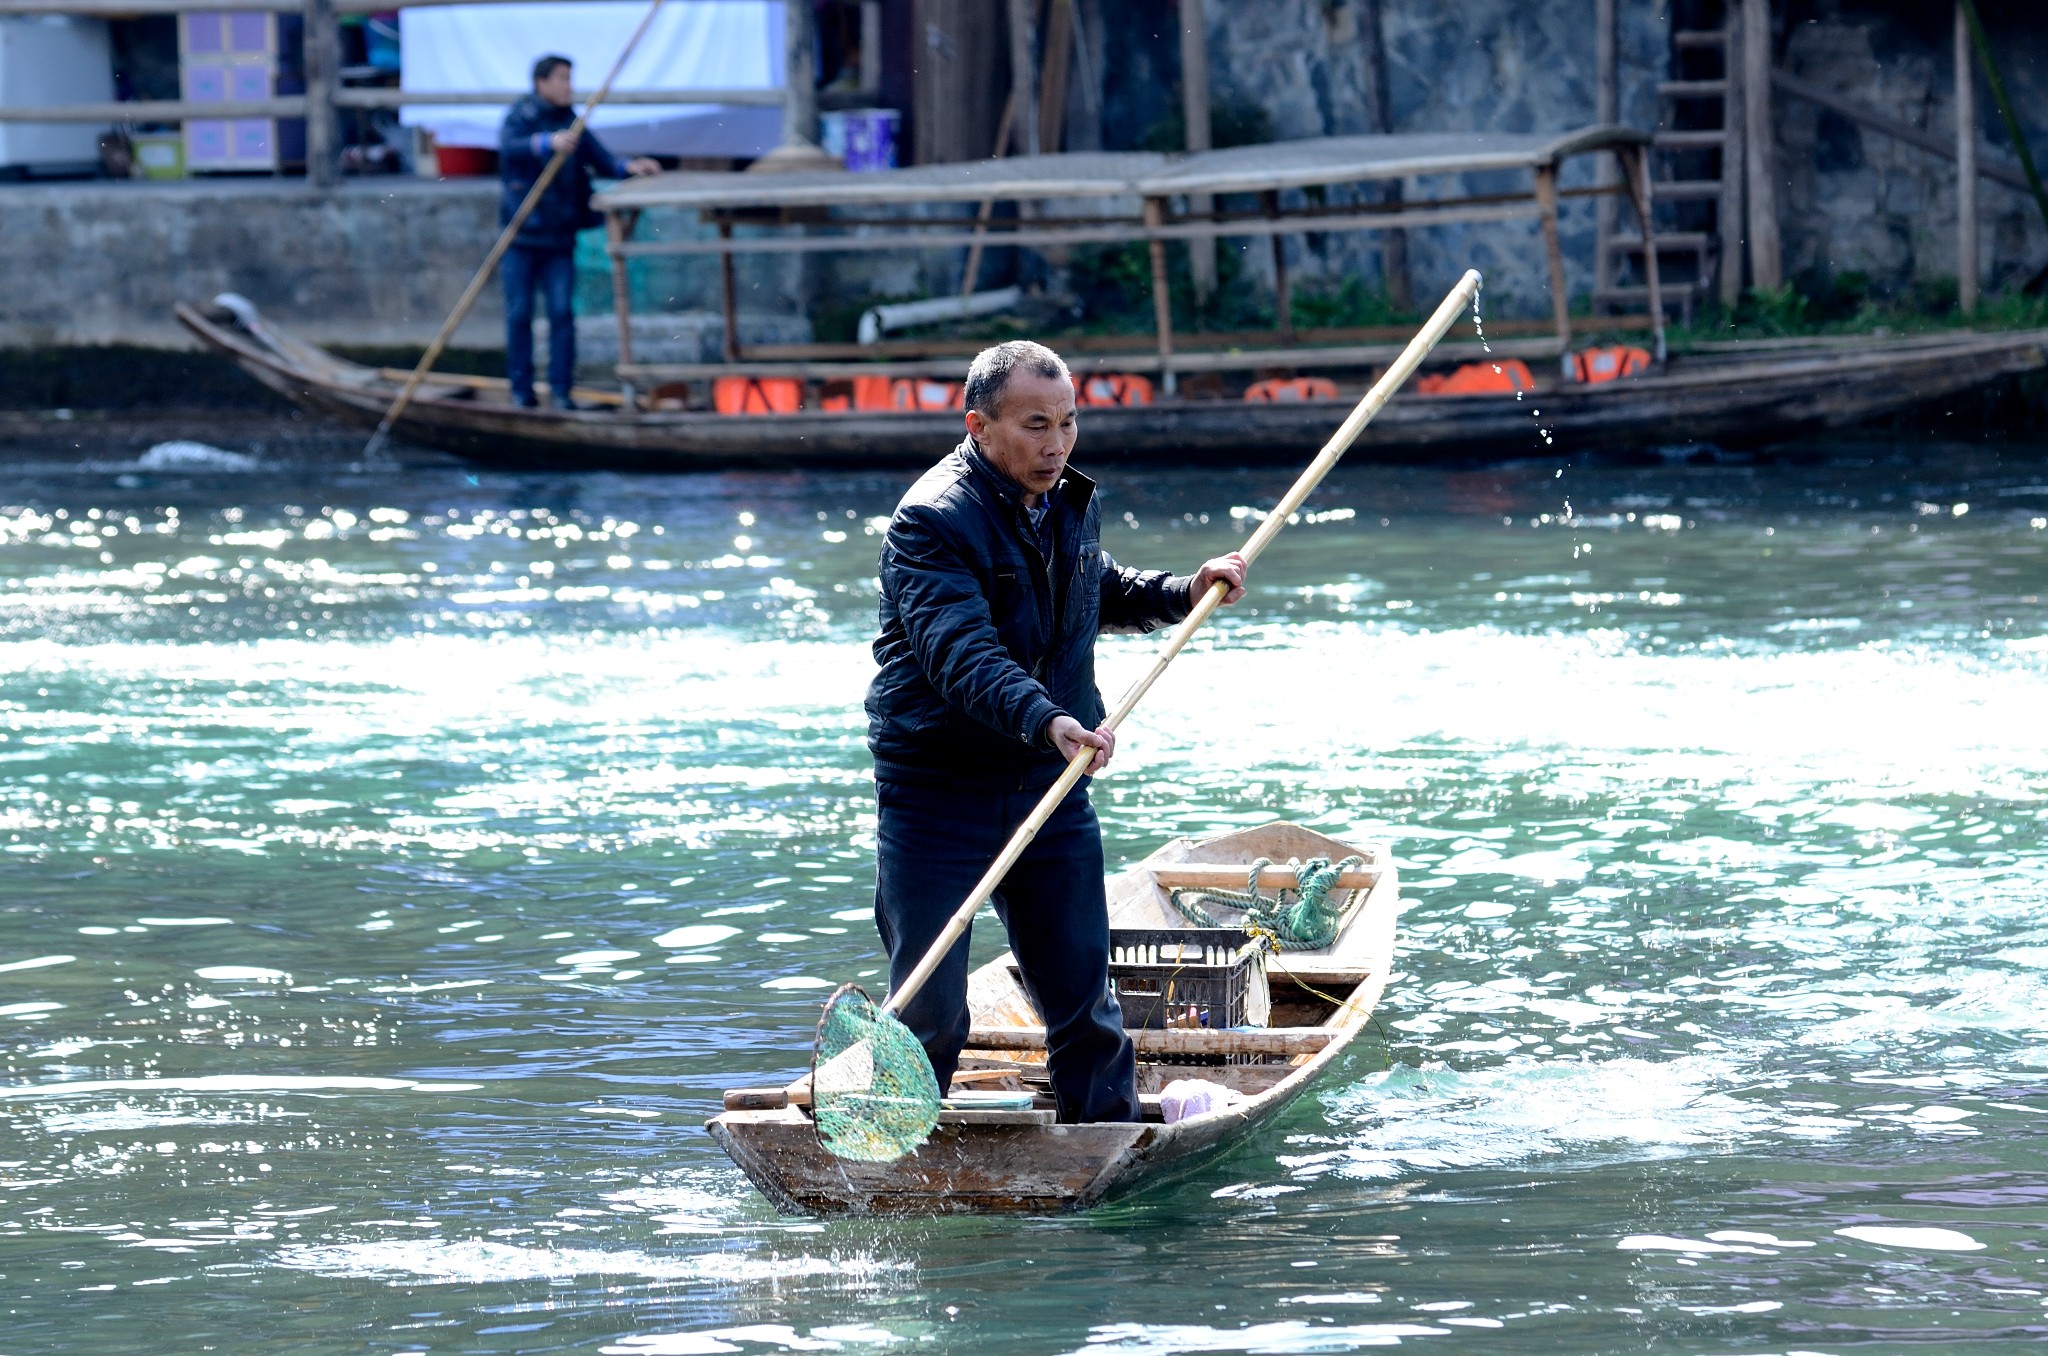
{"points": [[1230, 569], [643, 164]]}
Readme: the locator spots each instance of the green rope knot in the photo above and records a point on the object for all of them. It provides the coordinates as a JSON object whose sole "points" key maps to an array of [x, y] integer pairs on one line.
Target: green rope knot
{"points": [[1306, 922]]}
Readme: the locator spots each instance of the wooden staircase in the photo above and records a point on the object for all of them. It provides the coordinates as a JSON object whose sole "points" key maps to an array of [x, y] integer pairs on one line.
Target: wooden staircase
{"points": [[1695, 177]]}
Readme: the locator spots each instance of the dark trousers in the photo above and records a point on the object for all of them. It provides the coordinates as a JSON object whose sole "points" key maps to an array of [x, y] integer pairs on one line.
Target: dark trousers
{"points": [[933, 844], [554, 271]]}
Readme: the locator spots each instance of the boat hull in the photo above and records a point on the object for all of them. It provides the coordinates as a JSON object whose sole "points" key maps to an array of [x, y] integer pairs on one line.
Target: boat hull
{"points": [[1047, 1169], [1733, 400]]}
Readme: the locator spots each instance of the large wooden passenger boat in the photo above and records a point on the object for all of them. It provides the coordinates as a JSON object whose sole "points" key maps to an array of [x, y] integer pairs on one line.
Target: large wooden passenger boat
{"points": [[828, 396], [1734, 395], [1022, 1161]]}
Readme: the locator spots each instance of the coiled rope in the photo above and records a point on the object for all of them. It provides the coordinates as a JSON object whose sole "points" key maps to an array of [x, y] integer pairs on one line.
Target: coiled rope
{"points": [[1307, 922]]}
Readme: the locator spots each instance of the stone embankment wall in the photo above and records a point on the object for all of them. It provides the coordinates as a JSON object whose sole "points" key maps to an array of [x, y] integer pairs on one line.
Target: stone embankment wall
{"points": [[381, 261], [102, 263]]}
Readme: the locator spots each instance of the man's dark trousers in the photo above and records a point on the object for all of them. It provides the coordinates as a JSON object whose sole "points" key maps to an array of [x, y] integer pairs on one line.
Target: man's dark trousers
{"points": [[934, 842], [554, 271]]}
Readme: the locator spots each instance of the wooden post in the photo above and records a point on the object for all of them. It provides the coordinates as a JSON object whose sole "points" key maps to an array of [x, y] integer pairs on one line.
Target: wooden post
{"points": [[618, 227], [1194, 107], [1162, 298], [1023, 77], [728, 297], [1392, 239], [1966, 168], [871, 47], [1553, 251], [1636, 168], [1606, 109], [1728, 222], [1766, 262], [322, 54], [1283, 299], [1052, 79], [800, 74]]}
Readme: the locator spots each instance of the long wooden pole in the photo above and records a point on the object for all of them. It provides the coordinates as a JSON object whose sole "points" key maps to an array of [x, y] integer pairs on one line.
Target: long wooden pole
{"points": [[1194, 107], [1996, 84], [1759, 156], [1447, 314], [1729, 226], [1162, 296], [1553, 255], [504, 242], [970, 275], [1966, 167], [1606, 110]]}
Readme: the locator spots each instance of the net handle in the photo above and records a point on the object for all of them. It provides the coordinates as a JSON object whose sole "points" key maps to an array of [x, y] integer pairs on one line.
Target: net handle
{"points": [[1433, 330]]}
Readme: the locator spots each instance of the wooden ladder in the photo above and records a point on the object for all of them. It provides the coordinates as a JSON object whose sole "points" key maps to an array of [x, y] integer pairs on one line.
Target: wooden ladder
{"points": [[1696, 179]]}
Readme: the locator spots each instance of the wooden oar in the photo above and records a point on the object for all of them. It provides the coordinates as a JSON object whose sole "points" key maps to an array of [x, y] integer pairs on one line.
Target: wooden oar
{"points": [[504, 242], [1447, 314]]}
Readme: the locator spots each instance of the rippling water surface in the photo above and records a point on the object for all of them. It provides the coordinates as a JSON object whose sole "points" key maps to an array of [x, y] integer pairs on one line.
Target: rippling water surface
{"points": [[397, 866]]}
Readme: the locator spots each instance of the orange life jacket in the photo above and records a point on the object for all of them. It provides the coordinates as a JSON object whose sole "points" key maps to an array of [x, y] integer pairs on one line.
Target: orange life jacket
{"points": [[1482, 378], [1292, 388], [919, 393], [757, 395], [1113, 388], [1607, 364]]}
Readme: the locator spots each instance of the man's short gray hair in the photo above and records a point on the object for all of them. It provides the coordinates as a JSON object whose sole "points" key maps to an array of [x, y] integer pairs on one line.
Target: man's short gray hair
{"points": [[990, 372]]}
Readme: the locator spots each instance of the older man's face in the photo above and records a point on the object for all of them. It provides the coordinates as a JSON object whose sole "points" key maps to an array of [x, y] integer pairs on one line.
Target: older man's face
{"points": [[1033, 432]]}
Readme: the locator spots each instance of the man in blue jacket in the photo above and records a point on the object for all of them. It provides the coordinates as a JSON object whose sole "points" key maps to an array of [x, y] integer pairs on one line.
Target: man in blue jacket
{"points": [[544, 251], [994, 587]]}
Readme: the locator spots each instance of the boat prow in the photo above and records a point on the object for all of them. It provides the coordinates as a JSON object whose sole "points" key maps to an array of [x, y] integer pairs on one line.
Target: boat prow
{"points": [[1021, 1161]]}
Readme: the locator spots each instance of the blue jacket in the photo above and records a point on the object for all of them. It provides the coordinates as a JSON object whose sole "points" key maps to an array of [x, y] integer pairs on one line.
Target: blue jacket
{"points": [[523, 151], [984, 640]]}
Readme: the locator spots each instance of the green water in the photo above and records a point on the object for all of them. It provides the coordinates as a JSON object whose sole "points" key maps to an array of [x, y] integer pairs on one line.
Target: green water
{"points": [[345, 820]]}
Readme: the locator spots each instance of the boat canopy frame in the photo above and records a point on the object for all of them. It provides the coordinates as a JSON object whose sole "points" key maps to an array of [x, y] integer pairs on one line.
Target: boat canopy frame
{"points": [[1144, 197]]}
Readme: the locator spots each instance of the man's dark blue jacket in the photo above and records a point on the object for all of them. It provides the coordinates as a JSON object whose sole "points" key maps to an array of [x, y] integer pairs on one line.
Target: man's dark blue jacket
{"points": [[523, 151], [984, 639]]}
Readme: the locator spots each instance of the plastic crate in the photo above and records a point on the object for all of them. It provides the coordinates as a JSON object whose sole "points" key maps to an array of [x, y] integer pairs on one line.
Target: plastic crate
{"points": [[1185, 976], [1153, 986]]}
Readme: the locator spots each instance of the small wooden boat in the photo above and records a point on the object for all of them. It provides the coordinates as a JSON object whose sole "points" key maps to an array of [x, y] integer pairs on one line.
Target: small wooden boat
{"points": [[1020, 1161], [1734, 395]]}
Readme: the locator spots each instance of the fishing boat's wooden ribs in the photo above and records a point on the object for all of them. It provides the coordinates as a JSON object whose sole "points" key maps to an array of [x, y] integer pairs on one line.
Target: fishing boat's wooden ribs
{"points": [[1277, 1040], [1225, 876]]}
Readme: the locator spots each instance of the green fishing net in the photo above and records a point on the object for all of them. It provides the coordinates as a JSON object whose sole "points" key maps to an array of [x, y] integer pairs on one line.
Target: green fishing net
{"points": [[873, 1095]]}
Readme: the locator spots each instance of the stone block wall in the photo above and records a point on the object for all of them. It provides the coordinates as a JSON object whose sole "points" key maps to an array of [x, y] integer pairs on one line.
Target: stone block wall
{"points": [[1855, 200], [1479, 65], [380, 261], [102, 263]]}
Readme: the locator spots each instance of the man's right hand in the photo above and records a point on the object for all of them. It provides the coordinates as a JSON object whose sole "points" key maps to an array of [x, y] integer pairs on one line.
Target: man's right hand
{"points": [[564, 142], [1070, 736]]}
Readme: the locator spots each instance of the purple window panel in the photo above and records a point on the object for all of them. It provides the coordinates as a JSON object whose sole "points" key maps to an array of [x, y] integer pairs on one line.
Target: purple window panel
{"points": [[253, 138], [206, 142], [248, 32], [206, 82], [203, 32], [249, 82]]}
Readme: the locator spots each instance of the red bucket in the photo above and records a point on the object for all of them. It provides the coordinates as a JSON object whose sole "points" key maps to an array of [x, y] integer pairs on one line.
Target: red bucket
{"points": [[465, 162]]}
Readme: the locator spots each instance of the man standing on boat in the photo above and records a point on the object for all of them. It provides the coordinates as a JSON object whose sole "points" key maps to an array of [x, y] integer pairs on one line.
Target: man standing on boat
{"points": [[543, 254], [994, 587]]}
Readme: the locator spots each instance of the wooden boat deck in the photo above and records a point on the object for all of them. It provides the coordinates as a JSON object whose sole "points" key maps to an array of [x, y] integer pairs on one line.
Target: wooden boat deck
{"points": [[1024, 1163]]}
